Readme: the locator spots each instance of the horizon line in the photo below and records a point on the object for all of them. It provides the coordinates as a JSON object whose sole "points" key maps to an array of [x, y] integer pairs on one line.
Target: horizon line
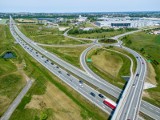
{"points": [[87, 12]]}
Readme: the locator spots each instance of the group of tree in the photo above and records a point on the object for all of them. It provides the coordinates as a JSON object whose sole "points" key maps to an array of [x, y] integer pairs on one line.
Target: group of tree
{"points": [[76, 30], [107, 40]]}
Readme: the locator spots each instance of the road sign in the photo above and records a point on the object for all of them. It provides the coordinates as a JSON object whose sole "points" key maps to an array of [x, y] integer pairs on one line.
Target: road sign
{"points": [[89, 60]]}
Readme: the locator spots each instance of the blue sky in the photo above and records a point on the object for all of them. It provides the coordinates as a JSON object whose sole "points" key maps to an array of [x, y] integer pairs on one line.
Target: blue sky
{"points": [[78, 5]]}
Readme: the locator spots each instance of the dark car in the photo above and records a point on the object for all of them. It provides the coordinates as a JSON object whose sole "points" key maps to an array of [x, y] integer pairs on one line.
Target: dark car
{"points": [[91, 93], [137, 57], [57, 67], [52, 63], [68, 74], [81, 82], [137, 74], [100, 95], [60, 72]]}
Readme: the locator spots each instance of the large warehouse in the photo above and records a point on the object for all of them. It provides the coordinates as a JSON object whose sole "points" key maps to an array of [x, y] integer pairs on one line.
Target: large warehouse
{"points": [[125, 23]]}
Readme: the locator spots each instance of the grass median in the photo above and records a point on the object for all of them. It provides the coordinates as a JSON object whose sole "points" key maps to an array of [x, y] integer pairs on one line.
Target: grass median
{"points": [[109, 65]]}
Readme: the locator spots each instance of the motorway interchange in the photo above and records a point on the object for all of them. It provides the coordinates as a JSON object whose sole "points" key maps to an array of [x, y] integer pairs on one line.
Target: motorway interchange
{"points": [[135, 85]]}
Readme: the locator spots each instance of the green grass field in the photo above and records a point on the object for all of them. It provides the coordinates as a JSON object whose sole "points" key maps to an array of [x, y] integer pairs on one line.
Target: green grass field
{"points": [[111, 66], [11, 80], [41, 34], [70, 55], [149, 46]]}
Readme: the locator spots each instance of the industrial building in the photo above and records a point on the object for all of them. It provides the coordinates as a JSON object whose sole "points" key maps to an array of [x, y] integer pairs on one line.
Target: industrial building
{"points": [[126, 22], [81, 19]]}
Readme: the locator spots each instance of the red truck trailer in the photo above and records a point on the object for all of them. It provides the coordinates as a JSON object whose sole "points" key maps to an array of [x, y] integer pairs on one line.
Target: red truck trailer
{"points": [[110, 103]]}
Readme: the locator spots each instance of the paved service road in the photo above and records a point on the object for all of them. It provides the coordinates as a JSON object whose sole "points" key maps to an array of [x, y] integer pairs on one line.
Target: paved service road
{"points": [[16, 102]]}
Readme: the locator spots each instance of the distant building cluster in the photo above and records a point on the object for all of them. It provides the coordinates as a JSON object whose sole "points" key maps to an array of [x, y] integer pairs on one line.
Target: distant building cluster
{"points": [[127, 22], [81, 19]]}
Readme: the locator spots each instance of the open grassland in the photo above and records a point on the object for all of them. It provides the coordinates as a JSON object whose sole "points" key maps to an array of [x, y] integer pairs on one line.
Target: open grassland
{"points": [[149, 46], [109, 65], [11, 79], [128, 54], [41, 34], [70, 55], [57, 39], [88, 24], [50, 98]]}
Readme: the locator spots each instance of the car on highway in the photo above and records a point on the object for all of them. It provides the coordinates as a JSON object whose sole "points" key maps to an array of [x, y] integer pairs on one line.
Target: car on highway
{"points": [[100, 95], [57, 67], [60, 72], [133, 85], [91, 93], [137, 74], [68, 74], [52, 63], [80, 82]]}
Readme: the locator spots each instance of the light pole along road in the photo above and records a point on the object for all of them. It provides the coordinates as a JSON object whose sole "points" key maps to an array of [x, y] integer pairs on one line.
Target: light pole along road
{"points": [[102, 85]]}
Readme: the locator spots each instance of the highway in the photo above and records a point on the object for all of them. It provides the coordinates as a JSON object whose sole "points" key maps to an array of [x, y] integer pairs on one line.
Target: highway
{"points": [[129, 104], [146, 108], [152, 110], [69, 79], [102, 85]]}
